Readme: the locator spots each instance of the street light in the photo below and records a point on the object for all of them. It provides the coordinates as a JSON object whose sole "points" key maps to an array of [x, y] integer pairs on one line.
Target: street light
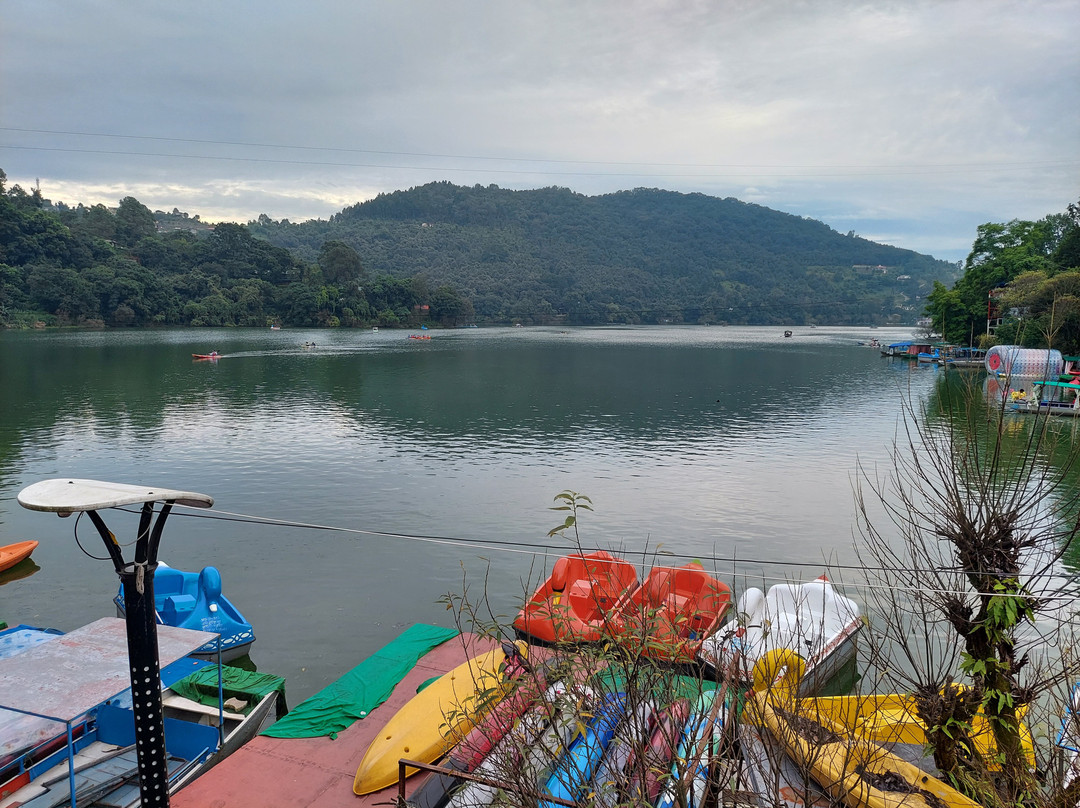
{"points": [[65, 497]]}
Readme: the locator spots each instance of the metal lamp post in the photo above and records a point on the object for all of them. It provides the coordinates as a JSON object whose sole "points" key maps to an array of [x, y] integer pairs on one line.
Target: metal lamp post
{"points": [[65, 497]]}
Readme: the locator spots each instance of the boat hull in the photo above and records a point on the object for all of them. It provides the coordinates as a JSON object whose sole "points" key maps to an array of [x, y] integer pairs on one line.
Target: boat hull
{"points": [[671, 613], [100, 762], [12, 554], [892, 719], [1054, 409], [193, 600]]}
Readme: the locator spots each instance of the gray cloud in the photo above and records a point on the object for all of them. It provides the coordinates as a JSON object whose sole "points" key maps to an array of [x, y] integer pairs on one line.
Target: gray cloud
{"points": [[909, 122]]}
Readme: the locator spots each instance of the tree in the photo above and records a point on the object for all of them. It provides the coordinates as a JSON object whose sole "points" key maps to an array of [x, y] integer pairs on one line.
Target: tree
{"points": [[1067, 254], [976, 519], [448, 307], [97, 222], [999, 254], [341, 264], [134, 222]]}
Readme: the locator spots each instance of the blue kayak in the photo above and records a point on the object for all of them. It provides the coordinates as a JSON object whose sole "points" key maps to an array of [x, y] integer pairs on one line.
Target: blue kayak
{"points": [[575, 770]]}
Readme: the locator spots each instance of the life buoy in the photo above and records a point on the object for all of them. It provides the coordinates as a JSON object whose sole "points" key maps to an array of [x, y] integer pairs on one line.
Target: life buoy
{"points": [[779, 671]]}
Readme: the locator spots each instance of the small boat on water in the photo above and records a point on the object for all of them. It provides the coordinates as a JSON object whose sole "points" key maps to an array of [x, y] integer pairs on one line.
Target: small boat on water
{"points": [[12, 554], [575, 601], [1048, 398], [419, 336], [909, 349], [439, 716], [966, 358], [86, 746], [812, 619], [787, 334], [593, 596], [213, 355], [671, 613], [194, 600]]}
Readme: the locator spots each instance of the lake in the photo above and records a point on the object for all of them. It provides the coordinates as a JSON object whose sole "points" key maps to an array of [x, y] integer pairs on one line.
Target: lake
{"points": [[391, 459]]}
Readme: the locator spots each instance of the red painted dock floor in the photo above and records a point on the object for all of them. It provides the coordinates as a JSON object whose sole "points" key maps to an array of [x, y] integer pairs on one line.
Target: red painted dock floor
{"points": [[318, 772]]}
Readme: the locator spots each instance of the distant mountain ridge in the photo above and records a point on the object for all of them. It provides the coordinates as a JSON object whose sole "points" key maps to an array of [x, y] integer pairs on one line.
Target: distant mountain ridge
{"points": [[646, 255]]}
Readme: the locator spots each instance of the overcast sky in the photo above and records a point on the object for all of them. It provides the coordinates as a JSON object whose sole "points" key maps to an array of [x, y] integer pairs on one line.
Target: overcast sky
{"points": [[909, 122]]}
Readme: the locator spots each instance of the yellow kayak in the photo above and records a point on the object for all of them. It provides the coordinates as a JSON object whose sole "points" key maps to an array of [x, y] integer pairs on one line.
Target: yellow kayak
{"points": [[855, 771], [435, 719]]}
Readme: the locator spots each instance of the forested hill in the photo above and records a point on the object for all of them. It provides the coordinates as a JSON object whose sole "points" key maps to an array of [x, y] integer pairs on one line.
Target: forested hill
{"points": [[552, 255]]}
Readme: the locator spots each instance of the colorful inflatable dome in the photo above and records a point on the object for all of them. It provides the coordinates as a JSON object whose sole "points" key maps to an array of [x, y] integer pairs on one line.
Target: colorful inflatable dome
{"points": [[1026, 363]]}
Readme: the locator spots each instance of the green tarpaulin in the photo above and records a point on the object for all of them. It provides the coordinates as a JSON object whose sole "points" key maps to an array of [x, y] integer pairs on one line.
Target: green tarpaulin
{"points": [[249, 686], [362, 689]]}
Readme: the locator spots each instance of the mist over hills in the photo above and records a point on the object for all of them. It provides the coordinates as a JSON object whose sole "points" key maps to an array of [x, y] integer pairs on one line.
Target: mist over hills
{"points": [[645, 255]]}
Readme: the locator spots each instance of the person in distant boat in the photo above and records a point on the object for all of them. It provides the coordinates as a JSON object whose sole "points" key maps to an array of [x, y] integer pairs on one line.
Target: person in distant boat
{"points": [[1018, 395], [1034, 396]]}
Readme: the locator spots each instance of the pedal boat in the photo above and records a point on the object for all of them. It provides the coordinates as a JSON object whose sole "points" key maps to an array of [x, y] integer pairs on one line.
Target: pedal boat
{"points": [[669, 616], [813, 619], [575, 602]]}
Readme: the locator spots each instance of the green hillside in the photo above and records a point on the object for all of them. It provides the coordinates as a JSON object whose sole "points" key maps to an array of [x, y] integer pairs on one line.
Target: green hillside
{"points": [[552, 255]]}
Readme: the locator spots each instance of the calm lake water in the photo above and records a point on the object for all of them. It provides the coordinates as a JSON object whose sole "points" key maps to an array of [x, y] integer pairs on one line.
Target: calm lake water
{"points": [[711, 443]]}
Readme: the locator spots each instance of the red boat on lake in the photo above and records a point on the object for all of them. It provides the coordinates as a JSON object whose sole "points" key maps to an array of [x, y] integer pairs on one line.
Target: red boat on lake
{"points": [[576, 600], [669, 615]]}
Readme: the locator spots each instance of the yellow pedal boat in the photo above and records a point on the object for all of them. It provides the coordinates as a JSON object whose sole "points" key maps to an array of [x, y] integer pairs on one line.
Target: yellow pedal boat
{"points": [[853, 770], [892, 718], [435, 719]]}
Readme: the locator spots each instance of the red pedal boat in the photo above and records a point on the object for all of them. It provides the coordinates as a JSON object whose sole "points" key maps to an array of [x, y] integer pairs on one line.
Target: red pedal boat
{"points": [[669, 615], [575, 602]]}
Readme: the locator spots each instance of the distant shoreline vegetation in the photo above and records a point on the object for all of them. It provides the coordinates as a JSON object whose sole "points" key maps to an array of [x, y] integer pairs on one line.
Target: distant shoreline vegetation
{"points": [[445, 255]]}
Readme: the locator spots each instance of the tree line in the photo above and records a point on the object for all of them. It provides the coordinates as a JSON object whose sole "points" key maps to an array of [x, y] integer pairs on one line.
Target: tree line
{"points": [[640, 256], [62, 265], [452, 255], [1021, 279]]}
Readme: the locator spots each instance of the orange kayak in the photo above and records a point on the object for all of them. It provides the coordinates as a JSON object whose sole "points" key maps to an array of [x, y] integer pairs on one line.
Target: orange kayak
{"points": [[12, 554]]}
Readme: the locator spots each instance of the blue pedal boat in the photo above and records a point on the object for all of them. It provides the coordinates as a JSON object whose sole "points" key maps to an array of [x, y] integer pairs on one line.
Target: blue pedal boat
{"points": [[193, 600]]}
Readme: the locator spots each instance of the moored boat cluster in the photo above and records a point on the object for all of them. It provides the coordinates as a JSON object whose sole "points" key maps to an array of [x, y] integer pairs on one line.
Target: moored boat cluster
{"points": [[620, 688]]}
